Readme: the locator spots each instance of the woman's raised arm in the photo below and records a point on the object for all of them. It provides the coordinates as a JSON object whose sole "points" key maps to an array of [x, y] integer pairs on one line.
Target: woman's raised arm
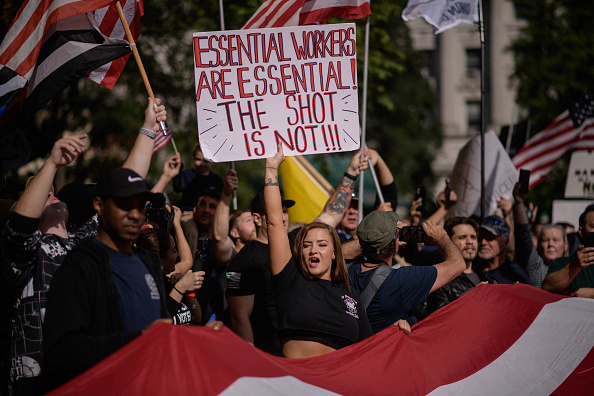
{"points": [[278, 240]]}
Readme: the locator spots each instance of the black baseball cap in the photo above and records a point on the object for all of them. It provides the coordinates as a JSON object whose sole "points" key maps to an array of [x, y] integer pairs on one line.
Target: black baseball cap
{"points": [[122, 183], [258, 203]]}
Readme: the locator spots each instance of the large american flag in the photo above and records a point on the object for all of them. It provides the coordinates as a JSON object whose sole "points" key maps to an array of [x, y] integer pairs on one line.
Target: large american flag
{"points": [[279, 13], [571, 130]]}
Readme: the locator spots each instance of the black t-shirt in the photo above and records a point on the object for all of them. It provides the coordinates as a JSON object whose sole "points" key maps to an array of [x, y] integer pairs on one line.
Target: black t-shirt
{"points": [[249, 274], [318, 310]]}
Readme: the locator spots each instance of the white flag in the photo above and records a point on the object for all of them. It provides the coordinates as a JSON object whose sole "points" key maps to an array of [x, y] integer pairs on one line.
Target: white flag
{"points": [[500, 176], [442, 14]]}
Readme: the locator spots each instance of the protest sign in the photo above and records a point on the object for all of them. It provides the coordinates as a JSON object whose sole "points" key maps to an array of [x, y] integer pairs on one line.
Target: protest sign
{"points": [[296, 86], [580, 177], [500, 176]]}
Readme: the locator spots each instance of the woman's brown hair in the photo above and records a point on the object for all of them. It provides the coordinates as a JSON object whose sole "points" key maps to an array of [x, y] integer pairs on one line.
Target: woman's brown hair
{"points": [[338, 272]]}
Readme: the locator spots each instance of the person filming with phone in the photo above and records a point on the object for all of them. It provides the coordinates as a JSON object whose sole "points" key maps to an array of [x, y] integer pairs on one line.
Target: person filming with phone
{"points": [[399, 290], [575, 275]]}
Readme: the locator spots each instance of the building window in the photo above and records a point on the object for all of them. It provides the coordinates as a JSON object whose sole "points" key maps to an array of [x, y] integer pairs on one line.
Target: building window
{"points": [[473, 63], [473, 117]]}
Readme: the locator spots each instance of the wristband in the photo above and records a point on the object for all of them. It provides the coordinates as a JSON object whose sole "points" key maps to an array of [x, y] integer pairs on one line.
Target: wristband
{"points": [[178, 290], [148, 132], [349, 176]]}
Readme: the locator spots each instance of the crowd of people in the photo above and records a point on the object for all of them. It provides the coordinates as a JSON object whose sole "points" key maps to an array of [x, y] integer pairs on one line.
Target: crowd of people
{"points": [[83, 278]]}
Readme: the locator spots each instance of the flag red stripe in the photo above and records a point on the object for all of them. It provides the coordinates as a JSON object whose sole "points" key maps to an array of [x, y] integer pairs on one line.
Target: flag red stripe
{"points": [[37, 25], [288, 14], [259, 14], [439, 352], [580, 379], [324, 14]]}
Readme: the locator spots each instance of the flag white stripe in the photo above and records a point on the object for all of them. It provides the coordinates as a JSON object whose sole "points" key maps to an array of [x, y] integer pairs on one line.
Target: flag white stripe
{"points": [[275, 386], [541, 359], [540, 141], [34, 38], [260, 23], [314, 5], [14, 84], [58, 58]]}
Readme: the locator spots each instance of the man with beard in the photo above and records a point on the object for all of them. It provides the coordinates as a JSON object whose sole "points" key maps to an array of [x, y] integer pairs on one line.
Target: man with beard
{"points": [[463, 233], [493, 242]]}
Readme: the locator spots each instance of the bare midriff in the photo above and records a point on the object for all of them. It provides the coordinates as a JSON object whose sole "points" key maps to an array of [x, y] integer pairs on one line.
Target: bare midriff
{"points": [[298, 349]]}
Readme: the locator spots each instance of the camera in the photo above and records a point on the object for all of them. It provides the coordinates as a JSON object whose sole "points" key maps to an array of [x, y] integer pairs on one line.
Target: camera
{"points": [[157, 213]]}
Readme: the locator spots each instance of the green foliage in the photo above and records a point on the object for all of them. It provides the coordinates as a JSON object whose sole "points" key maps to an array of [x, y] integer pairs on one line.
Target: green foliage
{"points": [[400, 101], [554, 57]]}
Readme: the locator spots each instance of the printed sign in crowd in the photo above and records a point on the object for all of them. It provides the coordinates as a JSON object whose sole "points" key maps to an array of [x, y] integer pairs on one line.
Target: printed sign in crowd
{"points": [[296, 86]]}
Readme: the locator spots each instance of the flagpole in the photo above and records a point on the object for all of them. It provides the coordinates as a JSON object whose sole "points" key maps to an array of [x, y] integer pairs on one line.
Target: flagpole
{"points": [[145, 80], [483, 106], [364, 118], [232, 163]]}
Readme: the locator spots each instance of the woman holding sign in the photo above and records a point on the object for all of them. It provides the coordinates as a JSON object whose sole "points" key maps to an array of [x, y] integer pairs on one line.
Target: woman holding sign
{"points": [[318, 312]]}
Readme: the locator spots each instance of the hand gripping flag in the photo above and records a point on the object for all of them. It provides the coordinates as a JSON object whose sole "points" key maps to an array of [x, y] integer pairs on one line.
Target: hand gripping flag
{"points": [[495, 340], [279, 13], [442, 14], [49, 46], [572, 130]]}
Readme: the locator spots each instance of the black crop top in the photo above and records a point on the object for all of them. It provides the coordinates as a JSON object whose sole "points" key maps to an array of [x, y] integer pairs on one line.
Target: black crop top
{"points": [[318, 310]]}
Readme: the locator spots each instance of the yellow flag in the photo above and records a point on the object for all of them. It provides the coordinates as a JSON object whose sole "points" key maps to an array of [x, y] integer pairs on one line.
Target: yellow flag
{"points": [[306, 186]]}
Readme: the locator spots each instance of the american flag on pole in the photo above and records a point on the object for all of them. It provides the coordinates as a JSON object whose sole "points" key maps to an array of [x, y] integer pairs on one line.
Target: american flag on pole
{"points": [[49, 46], [108, 22], [570, 131], [161, 141], [279, 13], [495, 340]]}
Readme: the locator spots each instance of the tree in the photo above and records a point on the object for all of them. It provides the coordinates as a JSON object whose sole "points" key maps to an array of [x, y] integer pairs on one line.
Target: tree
{"points": [[554, 54], [400, 104]]}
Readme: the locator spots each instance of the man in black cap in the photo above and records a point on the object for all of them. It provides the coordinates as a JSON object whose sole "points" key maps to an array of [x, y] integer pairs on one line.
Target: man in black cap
{"points": [[35, 241], [107, 292], [399, 290], [493, 242], [249, 285]]}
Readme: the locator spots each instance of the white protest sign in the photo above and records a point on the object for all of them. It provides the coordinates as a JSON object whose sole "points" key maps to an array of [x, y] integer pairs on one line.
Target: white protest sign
{"points": [[297, 86], [569, 211], [500, 176], [580, 177]]}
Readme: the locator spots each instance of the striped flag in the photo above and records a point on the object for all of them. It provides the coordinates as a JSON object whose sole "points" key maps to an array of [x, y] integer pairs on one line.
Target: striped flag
{"points": [[279, 13], [161, 141], [495, 340], [570, 131], [109, 23], [49, 46]]}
